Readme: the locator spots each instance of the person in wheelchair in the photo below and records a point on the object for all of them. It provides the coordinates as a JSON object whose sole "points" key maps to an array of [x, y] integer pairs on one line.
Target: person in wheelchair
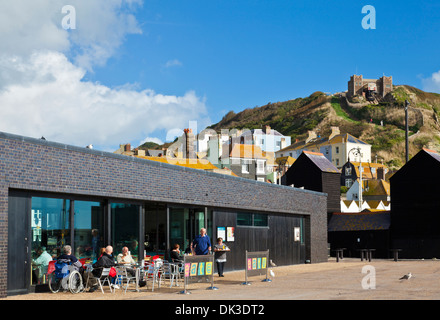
{"points": [[68, 272], [70, 259]]}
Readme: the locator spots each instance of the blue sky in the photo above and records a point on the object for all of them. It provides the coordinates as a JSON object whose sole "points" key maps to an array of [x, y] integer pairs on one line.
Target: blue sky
{"points": [[204, 58], [245, 53]]}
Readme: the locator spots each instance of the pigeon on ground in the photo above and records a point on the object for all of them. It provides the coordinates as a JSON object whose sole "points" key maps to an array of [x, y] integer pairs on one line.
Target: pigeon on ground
{"points": [[406, 276], [272, 274], [272, 263]]}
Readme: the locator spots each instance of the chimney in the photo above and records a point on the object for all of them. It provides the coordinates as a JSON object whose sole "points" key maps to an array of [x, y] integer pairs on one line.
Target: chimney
{"points": [[283, 143], [380, 174], [312, 135], [189, 152], [266, 129], [335, 132], [127, 147]]}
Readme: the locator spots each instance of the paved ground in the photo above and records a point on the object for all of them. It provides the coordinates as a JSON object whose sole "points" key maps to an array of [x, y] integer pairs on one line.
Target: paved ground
{"points": [[331, 280]]}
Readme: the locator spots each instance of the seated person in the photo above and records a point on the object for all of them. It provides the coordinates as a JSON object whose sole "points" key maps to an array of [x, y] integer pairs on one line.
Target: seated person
{"points": [[125, 258], [68, 258], [41, 263], [175, 254], [105, 261]]}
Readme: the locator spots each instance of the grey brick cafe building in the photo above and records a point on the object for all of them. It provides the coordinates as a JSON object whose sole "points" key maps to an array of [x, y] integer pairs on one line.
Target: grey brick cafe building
{"points": [[52, 194]]}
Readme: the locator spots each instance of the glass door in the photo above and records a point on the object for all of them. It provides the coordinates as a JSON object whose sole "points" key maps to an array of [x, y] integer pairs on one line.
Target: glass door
{"points": [[50, 231], [185, 225]]}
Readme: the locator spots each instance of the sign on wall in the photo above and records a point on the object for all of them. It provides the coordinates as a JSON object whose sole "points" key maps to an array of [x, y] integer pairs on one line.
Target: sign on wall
{"points": [[231, 235], [221, 233], [296, 234]]}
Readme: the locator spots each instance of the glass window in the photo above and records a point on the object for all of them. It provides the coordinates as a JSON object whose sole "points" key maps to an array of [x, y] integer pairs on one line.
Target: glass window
{"points": [[50, 227], [179, 228], [125, 228], [260, 220], [244, 219], [252, 219], [155, 229], [260, 167], [89, 229]]}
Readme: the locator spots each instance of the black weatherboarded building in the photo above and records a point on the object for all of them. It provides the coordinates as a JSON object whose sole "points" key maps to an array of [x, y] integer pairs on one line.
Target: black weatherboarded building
{"points": [[415, 207], [313, 171], [52, 194]]}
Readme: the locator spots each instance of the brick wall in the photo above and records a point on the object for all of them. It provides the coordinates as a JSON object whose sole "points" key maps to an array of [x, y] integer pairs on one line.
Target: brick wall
{"points": [[33, 164]]}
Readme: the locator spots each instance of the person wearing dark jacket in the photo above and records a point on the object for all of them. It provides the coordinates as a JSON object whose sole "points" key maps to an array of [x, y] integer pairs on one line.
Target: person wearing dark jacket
{"points": [[105, 261]]}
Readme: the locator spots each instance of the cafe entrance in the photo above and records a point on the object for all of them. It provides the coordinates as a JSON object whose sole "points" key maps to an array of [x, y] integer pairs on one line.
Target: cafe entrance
{"points": [[185, 225]]}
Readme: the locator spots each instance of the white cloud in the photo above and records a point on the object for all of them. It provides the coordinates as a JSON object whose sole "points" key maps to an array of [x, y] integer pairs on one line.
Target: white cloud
{"points": [[42, 70], [101, 27], [173, 63], [432, 84], [55, 103]]}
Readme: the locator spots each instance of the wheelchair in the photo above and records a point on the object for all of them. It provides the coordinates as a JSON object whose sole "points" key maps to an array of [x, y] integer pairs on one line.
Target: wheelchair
{"points": [[65, 277]]}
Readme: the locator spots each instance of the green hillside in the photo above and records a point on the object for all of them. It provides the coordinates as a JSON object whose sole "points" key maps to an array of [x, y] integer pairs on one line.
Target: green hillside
{"points": [[382, 124]]}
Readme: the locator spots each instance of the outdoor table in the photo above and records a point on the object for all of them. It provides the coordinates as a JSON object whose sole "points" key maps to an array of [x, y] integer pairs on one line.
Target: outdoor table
{"points": [[396, 253]]}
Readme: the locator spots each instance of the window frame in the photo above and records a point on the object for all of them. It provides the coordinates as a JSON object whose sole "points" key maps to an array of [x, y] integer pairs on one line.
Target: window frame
{"points": [[251, 221]]}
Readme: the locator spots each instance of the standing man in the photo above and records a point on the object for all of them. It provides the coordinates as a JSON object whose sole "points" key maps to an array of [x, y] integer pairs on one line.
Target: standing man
{"points": [[201, 245]]}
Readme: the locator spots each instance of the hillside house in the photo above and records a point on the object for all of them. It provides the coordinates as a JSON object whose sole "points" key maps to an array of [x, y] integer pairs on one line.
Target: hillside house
{"points": [[245, 160], [371, 190], [370, 171], [336, 147], [268, 139]]}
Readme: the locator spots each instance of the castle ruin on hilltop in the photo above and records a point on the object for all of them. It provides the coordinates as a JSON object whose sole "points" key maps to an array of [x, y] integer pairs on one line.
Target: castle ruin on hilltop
{"points": [[369, 88]]}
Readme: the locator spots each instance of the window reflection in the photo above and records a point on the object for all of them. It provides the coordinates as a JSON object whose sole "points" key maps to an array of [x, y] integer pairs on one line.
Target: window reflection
{"points": [[125, 228], [155, 229], [50, 227], [89, 226]]}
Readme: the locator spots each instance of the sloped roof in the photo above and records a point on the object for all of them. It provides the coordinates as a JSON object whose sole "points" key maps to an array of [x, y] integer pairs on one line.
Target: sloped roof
{"points": [[321, 161], [320, 141], [432, 153], [189, 163], [261, 132], [415, 161], [346, 137], [376, 187], [370, 220], [369, 169], [287, 160]]}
